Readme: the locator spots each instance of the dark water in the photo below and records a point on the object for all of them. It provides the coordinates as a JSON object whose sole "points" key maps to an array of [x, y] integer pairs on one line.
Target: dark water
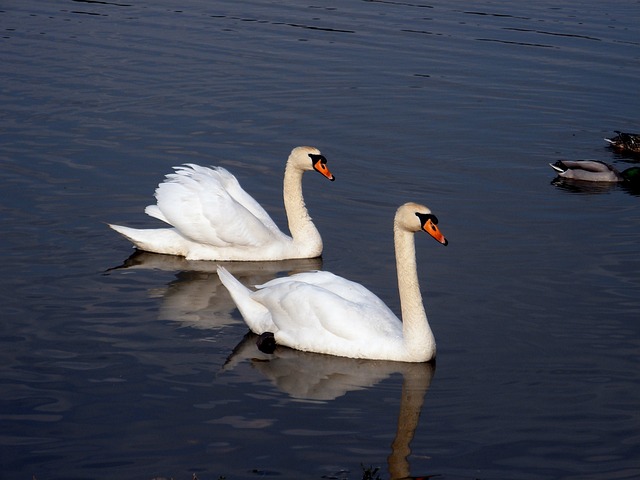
{"points": [[123, 373]]}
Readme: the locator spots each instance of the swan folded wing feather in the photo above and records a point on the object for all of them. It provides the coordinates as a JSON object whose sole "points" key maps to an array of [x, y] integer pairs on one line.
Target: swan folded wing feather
{"points": [[336, 326], [235, 225], [178, 200], [155, 212], [326, 310], [346, 289], [196, 202], [233, 188]]}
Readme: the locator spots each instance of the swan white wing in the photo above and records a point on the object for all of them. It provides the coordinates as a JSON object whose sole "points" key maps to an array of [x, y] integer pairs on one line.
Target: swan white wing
{"points": [[325, 306], [233, 188], [347, 289], [154, 211], [196, 201]]}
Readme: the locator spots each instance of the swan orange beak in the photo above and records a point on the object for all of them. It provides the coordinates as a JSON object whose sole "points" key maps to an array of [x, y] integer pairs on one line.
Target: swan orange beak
{"points": [[433, 230], [321, 167]]}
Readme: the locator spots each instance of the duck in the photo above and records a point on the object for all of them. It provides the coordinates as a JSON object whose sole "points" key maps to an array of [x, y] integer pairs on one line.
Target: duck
{"points": [[213, 218], [629, 142], [321, 312], [594, 171]]}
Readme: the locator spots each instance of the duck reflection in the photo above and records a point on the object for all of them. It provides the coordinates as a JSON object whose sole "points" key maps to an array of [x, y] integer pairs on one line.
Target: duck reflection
{"points": [[196, 297], [312, 376], [577, 186], [582, 187]]}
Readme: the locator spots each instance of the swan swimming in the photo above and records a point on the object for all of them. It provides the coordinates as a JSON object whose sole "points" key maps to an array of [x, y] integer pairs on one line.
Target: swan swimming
{"points": [[213, 218], [324, 313]]}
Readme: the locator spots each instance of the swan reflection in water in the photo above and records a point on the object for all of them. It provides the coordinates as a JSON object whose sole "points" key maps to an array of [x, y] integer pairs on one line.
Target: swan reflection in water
{"points": [[318, 377], [196, 297]]}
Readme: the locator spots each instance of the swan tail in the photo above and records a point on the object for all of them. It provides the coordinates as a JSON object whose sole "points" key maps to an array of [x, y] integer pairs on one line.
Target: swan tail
{"points": [[256, 315], [157, 240], [129, 233]]}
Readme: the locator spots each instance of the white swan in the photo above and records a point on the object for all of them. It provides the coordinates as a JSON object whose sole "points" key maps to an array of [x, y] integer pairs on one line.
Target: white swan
{"points": [[321, 312], [213, 218]]}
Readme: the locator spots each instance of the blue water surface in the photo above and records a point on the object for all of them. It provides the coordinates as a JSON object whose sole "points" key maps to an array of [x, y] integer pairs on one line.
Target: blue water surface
{"points": [[119, 367]]}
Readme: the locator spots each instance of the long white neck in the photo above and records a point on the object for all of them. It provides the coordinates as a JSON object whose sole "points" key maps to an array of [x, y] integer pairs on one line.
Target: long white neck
{"points": [[418, 337], [304, 233]]}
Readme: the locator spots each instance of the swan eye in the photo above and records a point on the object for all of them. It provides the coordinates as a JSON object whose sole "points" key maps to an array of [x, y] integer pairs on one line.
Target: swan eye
{"points": [[425, 217]]}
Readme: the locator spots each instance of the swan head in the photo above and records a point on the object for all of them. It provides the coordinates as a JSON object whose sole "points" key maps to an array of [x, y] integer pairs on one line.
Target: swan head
{"points": [[310, 158], [414, 217]]}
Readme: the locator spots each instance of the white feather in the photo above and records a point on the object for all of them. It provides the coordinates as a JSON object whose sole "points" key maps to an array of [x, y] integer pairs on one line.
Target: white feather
{"points": [[213, 218], [324, 313]]}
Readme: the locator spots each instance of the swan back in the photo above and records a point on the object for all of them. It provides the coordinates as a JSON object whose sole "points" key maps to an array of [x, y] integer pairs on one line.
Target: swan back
{"points": [[208, 206]]}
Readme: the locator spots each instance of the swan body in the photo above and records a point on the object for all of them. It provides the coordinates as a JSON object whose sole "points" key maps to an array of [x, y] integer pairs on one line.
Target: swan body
{"points": [[629, 142], [213, 218], [594, 171], [324, 313]]}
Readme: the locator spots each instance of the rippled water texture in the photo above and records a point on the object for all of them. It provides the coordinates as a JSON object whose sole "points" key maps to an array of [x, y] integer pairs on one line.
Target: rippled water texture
{"points": [[118, 367]]}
